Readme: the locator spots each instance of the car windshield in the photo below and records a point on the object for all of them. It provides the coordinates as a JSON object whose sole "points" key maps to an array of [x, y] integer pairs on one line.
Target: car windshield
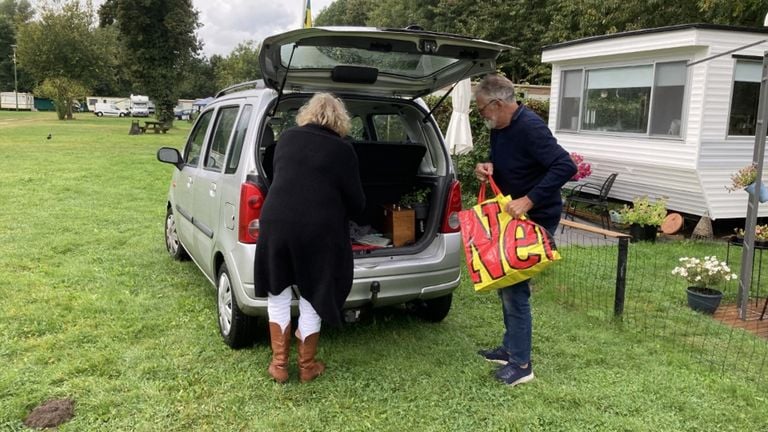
{"points": [[397, 63]]}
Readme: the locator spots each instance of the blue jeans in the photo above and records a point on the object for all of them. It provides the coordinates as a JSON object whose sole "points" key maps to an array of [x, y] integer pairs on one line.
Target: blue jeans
{"points": [[518, 323]]}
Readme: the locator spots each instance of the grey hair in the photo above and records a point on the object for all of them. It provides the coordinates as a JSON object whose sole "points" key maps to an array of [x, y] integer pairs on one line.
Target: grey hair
{"points": [[495, 86], [326, 110]]}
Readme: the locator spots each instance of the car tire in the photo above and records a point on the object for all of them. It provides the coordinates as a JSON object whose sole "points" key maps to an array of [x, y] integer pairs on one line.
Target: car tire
{"points": [[433, 310], [172, 244], [236, 328], [99, 114], [121, 115]]}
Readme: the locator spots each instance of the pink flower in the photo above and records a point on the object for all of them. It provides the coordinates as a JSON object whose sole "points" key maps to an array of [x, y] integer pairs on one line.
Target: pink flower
{"points": [[584, 169]]}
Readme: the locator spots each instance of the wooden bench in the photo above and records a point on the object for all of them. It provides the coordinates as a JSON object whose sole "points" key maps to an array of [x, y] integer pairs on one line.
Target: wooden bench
{"points": [[155, 126]]}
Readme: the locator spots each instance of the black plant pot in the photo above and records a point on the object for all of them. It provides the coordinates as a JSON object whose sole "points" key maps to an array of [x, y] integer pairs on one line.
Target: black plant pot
{"points": [[421, 210], [643, 233], [705, 300]]}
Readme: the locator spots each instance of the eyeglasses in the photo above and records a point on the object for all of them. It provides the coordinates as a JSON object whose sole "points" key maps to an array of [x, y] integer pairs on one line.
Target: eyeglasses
{"points": [[480, 110]]}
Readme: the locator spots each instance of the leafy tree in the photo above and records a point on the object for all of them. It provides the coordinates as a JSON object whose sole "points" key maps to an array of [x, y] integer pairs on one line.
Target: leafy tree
{"points": [[199, 79], [12, 14], [65, 48], [159, 39], [63, 91], [346, 13], [242, 64]]}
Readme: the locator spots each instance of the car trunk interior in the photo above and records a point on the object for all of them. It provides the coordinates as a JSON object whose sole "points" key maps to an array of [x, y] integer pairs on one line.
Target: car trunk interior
{"points": [[401, 161]]}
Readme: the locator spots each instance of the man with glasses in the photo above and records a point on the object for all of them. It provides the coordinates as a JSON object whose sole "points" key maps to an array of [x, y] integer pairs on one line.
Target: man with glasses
{"points": [[528, 164]]}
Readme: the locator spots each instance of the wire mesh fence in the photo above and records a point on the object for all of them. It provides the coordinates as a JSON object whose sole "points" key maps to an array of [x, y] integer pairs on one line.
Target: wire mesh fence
{"points": [[611, 279]]}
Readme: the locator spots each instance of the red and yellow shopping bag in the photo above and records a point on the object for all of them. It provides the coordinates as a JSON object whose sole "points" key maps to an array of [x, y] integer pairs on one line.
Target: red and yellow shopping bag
{"points": [[500, 249]]}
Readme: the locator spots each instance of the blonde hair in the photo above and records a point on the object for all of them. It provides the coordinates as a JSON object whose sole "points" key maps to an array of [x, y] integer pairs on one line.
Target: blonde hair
{"points": [[326, 110]]}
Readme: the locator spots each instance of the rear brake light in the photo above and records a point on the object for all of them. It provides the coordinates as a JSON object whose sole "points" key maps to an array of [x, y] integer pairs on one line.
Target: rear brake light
{"points": [[452, 209], [251, 202]]}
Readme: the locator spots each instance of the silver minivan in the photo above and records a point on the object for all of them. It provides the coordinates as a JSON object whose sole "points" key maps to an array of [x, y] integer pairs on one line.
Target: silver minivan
{"points": [[223, 174]]}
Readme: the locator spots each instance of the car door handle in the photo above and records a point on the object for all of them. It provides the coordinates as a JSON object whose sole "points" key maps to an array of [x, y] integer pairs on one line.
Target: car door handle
{"points": [[189, 182], [212, 190]]}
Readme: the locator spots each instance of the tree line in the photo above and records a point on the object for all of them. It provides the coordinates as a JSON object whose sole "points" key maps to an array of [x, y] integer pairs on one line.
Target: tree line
{"points": [[67, 50], [529, 25]]}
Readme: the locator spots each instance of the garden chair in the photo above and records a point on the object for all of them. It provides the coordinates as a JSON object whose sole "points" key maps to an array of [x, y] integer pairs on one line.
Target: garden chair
{"points": [[591, 195]]}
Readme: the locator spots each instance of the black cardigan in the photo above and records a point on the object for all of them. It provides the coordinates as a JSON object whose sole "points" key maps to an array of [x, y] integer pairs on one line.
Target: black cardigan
{"points": [[304, 225]]}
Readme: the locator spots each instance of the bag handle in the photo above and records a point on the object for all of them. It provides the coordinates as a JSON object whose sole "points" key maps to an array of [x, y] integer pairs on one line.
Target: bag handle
{"points": [[494, 188]]}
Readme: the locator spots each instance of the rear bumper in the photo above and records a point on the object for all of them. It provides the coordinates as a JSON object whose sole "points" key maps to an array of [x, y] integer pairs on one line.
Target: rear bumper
{"points": [[434, 272]]}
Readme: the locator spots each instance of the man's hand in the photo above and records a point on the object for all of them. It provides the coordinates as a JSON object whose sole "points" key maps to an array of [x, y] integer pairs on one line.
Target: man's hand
{"points": [[519, 207], [483, 170]]}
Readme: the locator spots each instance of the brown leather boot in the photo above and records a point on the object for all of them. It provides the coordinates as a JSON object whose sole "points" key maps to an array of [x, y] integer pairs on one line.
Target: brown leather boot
{"points": [[309, 368], [281, 345]]}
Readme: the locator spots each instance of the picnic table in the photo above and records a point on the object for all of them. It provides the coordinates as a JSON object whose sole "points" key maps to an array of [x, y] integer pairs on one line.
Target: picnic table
{"points": [[155, 126]]}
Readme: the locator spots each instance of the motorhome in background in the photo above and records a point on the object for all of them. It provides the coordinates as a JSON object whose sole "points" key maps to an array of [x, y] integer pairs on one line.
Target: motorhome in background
{"points": [[121, 102], [8, 100], [139, 106]]}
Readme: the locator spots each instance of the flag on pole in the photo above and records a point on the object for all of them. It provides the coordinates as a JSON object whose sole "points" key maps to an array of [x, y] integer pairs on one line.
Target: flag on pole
{"points": [[307, 15]]}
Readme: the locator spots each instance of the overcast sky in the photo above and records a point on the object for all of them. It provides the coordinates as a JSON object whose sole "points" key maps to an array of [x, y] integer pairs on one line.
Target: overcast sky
{"points": [[226, 23], [229, 22]]}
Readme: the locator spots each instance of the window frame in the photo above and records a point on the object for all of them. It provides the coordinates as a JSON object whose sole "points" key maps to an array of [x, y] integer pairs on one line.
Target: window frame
{"points": [[743, 58], [192, 135], [212, 134], [647, 134]]}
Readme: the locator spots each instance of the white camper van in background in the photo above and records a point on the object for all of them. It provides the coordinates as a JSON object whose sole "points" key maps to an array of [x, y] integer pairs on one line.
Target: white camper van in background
{"points": [[139, 106], [110, 109]]}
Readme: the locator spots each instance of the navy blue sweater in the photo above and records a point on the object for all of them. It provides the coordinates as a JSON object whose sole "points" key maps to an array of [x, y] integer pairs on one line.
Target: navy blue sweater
{"points": [[527, 160]]}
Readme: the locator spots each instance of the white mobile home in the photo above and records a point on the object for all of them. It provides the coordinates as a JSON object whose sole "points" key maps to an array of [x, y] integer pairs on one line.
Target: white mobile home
{"points": [[13, 100], [631, 104]]}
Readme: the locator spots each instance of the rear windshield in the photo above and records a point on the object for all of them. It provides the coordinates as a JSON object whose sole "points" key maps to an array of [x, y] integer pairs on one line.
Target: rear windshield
{"points": [[396, 63]]}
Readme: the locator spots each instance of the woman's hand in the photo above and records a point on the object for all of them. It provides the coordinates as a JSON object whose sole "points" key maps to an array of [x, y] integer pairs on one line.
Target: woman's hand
{"points": [[483, 170]]}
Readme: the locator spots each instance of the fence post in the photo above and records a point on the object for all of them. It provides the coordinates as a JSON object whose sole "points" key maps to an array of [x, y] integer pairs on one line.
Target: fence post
{"points": [[621, 277]]}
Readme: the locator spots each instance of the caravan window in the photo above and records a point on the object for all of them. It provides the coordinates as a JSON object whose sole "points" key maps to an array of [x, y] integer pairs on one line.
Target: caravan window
{"points": [[641, 99], [746, 94]]}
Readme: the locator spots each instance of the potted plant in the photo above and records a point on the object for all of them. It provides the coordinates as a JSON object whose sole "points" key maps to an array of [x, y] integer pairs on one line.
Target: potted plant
{"points": [[745, 179], [644, 217], [417, 200], [761, 235], [703, 277]]}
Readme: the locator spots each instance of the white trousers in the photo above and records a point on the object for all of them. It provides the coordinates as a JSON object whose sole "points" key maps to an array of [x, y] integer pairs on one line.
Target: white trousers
{"points": [[279, 311]]}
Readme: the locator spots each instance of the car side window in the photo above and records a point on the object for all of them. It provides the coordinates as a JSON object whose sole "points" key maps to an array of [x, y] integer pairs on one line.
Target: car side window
{"points": [[196, 140], [222, 131], [389, 127], [357, 129], [233, 158]]}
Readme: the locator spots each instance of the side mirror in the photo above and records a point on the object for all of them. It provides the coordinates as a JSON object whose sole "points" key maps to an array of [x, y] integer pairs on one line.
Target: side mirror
{"points": [[170, 155]]}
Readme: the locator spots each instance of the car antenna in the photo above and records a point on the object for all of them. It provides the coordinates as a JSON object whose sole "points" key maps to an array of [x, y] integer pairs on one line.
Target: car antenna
{"points": [[285, 78], [440, 102]]}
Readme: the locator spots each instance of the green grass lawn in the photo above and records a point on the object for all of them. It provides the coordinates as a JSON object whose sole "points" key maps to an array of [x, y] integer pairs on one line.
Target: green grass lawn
{"points": [[94, 310]]}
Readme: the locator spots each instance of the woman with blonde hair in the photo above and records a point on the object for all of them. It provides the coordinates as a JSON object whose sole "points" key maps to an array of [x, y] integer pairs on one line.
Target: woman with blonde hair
{"points": [[304, 232]]}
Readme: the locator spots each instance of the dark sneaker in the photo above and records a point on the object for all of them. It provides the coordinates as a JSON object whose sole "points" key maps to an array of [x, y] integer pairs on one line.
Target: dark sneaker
{"points": [[495, 355], [512, 374]]}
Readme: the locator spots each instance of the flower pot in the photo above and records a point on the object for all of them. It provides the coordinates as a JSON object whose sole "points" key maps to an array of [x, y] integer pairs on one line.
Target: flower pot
{"points": [[763, 192], [643, 233], [705, 300], [421, 210]]}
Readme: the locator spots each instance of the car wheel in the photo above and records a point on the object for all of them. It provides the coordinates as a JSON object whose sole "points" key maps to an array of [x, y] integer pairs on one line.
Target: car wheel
{"points": [[99, 114], [121, 115], [433, 310], [236, 328], [172, 243]]}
